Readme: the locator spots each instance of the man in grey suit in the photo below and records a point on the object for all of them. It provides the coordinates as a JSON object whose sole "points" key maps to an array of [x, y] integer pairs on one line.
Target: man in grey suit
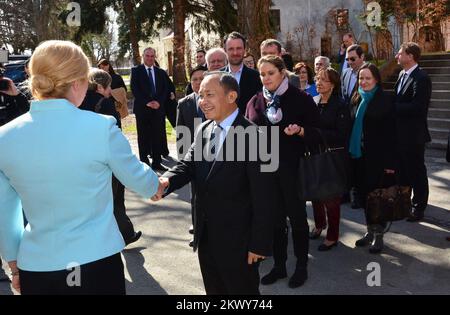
{"points": [[273, 47], [355, 58], [189, 115]]}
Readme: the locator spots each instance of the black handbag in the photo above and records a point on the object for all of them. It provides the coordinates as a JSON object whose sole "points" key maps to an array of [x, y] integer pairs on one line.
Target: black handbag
{"points": [[388, 204], [324, 175]]}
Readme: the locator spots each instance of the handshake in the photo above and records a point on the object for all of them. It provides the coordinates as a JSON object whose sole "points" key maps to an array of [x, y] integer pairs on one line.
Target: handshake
{"points": [[163, 185]]}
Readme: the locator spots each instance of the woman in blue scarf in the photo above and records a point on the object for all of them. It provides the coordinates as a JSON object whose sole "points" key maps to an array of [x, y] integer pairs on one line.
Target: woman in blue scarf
{"points": [[283, 106], [372, 145]]}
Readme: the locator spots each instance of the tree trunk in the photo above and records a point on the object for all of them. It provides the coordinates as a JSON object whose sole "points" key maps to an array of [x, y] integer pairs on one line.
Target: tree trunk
{"points": [[179, 74], [129, 13], [41, 16], [254, 22]]}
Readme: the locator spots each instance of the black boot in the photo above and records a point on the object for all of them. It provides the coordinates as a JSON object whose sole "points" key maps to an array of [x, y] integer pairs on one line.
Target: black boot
{"points": [[298, 278], [275, 274], [366, 239], [377, 244]]}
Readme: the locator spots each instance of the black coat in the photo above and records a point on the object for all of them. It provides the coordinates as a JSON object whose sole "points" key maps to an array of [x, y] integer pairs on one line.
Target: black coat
{"points": [[117, 82], [335, 123], [411, 109], [97, 103], [186, 114], [249, 85], [378, 140], [12, 107], [233, 201], [298, 108]]}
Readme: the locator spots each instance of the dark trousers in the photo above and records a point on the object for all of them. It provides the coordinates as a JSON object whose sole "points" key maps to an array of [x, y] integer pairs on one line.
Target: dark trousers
{"points": [[230, 276], [331, 209], [289, 205], [101, 277], [413, 172], [150, 130], [123, 221]]}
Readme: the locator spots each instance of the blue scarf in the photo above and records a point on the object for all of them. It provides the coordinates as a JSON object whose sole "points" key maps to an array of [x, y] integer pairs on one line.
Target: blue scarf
{"points": [[355, 139], [273, 111]]}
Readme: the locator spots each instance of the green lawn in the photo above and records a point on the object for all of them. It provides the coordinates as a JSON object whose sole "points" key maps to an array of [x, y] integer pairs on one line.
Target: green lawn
{"points": [[131, 129]]}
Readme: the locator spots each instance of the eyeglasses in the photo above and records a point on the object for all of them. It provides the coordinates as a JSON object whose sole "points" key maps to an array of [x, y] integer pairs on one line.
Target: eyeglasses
{"points": [[352, 59]]}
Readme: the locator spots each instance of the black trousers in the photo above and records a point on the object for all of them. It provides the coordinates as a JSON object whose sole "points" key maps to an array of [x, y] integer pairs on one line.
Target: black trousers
{"points": [[101, 277], [230, 276], [123, 221], [413, 172], [290, 206], [151, 132]]}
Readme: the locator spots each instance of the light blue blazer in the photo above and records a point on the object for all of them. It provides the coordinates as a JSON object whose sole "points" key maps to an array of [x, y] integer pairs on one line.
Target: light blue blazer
{"points": [[56, 162]]}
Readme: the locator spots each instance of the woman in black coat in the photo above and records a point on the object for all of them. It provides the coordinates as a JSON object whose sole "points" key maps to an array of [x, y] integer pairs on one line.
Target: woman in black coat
{"points": [[294, 114], [335, 129], [98, 100], [372, 145]]}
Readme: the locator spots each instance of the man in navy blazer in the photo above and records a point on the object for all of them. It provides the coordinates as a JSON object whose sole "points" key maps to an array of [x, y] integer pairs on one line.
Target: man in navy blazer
{"points": [[412, 99], [150, 88], [248, 79]]}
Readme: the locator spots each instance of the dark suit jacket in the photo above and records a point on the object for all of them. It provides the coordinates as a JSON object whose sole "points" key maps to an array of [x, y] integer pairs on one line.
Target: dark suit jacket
{"points": [[249, 85], [171, 105], [140, 86], [186, 114], [411, 109], [233, 200]]}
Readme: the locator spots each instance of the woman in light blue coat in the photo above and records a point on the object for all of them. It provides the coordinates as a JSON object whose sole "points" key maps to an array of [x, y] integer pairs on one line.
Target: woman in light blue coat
{"points": [[56, 162]]}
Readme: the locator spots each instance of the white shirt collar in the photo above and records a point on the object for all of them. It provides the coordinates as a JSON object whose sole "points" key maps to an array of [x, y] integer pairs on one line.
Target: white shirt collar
{"points": [[227, 122], [239, 71], [411, 70]]}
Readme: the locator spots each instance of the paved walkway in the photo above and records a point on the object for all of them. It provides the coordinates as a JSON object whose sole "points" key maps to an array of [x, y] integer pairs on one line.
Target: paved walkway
{"points": [[416, 259]]}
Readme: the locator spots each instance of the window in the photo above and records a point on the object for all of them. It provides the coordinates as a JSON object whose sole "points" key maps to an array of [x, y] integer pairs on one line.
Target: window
{"points": [[275, 19]]}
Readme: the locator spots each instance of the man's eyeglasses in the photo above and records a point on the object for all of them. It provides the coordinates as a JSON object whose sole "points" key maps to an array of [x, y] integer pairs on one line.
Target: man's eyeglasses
{"points": [[352, 59]]}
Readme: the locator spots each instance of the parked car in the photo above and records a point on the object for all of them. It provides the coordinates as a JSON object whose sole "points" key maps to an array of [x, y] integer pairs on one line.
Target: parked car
{"points": [[15, 70]]}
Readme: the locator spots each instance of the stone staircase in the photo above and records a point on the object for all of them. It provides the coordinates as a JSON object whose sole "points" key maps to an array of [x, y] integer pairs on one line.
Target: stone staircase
{"points": [[438, 68]]}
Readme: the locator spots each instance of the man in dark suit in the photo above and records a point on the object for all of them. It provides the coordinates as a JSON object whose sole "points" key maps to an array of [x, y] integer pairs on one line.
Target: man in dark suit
{"points": [[150, 88], [412, 98], [349, 79], [273, 47], [347, 41], [248, 79], [189, 116], [234, 208]]}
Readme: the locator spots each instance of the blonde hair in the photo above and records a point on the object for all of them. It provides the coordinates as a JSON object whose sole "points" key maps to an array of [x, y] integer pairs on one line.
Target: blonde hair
{"points": [[54, 66]]}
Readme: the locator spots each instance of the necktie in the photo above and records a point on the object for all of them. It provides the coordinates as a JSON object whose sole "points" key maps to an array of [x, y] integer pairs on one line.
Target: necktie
{"points": [[402, 81], [214, 141], [152, 83]]}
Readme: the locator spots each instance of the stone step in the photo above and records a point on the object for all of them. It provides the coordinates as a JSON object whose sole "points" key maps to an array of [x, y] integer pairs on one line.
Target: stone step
{"points": [[389, 85], [435, 103], [439, 133], [435, 57], [439, 113], [436, 94], [438, 70], [443, 123], [439, 78], [434, 63], [438, 144]]}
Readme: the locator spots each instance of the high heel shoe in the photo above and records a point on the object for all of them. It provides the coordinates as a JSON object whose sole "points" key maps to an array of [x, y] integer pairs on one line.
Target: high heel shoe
{"points": [[323, 247], [315, 233]]}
